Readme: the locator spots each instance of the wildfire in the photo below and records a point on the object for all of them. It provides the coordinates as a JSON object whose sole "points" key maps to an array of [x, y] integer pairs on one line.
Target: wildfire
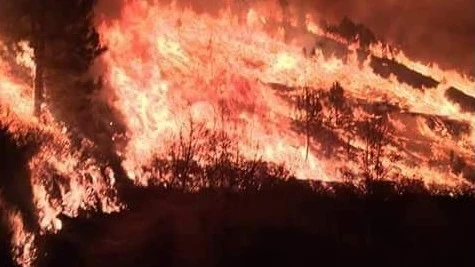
{"points": [[163, 73], [169, 70], [447, 77], [63, 178], [22, 240]]}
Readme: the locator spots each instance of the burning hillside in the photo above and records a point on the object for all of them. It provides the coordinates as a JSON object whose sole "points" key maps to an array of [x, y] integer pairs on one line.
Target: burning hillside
{"points": [[228, 100], [168, 68]]}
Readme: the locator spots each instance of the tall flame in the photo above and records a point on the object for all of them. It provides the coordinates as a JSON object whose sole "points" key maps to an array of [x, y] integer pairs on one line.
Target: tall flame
{"points": [[164, 74], [168, 69], [166, 65], [64, 178]]}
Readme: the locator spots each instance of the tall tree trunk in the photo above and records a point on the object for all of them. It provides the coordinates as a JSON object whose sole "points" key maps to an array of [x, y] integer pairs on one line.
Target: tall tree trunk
{"points": [[38, 28], [284, 4], [39, 76]]}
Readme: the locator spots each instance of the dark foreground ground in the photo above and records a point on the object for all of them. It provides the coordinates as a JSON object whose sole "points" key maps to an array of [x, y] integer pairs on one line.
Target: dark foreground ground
{"points": [[284, 226]]}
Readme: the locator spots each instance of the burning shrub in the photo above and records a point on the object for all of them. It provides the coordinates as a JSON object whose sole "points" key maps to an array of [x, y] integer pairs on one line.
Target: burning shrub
{"points": [[202, 158], [309, 111], [337, 101], [353, 32], [374, 132]]}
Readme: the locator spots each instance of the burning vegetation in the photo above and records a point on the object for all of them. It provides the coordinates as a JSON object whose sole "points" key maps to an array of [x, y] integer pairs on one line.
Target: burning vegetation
{"points": [[247, 97]]}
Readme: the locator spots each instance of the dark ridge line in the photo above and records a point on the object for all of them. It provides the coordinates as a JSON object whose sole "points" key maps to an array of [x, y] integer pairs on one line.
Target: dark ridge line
{"points": [[384, 67], [466, 102]]}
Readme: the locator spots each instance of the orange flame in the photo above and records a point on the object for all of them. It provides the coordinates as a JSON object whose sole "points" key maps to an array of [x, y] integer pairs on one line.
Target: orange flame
{"points": [[186, 72], [162, 73], [166, 66], [57, 165]]}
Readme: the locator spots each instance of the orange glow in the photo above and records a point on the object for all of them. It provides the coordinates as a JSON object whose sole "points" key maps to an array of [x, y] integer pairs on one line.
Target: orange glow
{"points": [[162, 75], [57, 162], [446, 77], [167, 69], [188, 73]]}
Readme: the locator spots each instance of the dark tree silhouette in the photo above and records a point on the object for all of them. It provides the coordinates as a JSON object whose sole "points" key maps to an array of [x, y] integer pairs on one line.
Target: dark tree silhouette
{"points": [[375, 131], [353, 32], [284, 4], [309, 112], [337, 100], [61, 34]]}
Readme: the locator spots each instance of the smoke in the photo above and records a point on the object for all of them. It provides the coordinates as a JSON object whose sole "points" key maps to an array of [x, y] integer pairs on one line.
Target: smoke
{"points": [[110, 9], [428, 30]]}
